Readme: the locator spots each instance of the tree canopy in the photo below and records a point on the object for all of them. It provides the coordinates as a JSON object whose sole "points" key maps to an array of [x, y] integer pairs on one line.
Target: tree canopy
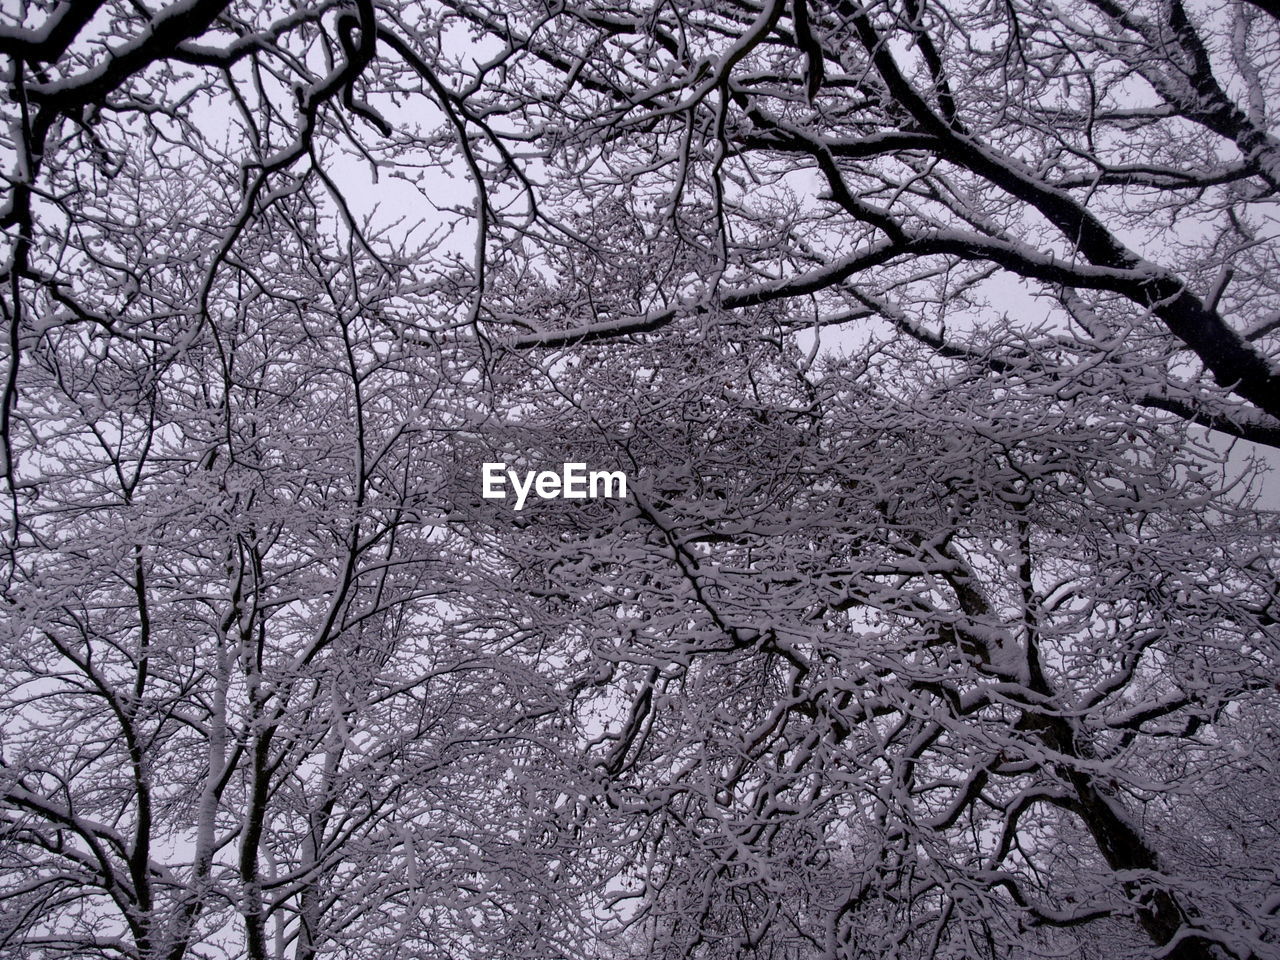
{"points": [[940, 342]]}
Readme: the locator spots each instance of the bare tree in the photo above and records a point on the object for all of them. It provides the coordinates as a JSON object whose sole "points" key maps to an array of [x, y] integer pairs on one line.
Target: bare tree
{"points": [[1104, 171], [240, 718], [952, 641], [909, 161], [898, 661]]}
